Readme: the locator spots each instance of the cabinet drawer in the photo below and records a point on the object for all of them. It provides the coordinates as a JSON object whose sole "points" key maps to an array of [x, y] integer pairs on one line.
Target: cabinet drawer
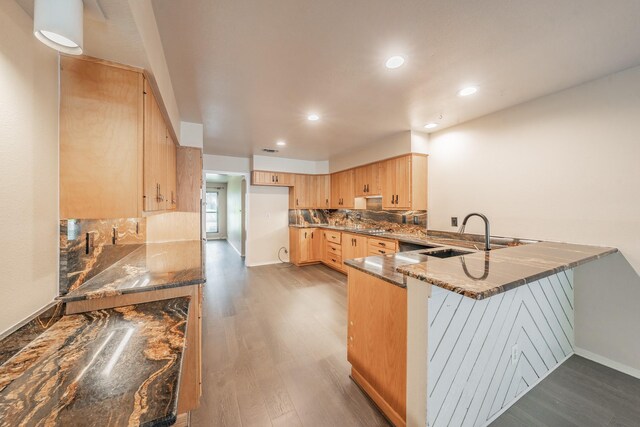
{"points": [[383, 244], [334, 249], [334, 261], [375, 250], [333, 236]]}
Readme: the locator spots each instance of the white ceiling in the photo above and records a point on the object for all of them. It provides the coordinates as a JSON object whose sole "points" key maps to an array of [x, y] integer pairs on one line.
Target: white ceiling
{"points": [[251, 70]]}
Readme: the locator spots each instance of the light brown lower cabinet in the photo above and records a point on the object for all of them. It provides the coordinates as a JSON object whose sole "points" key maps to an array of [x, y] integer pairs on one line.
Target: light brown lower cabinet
{"points": [[305, 245], [377, 342], [353, 246]]}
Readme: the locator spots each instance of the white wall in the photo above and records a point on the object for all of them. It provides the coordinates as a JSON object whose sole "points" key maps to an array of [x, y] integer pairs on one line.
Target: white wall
{"points": [[28, 168], [564, 167], [268, 224], [191, 135], [234, 213], [281, 164], [226, 163]]}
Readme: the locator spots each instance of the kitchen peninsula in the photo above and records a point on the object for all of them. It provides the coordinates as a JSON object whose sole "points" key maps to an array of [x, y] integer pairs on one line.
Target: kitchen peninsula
{"points": [[482, 328]]}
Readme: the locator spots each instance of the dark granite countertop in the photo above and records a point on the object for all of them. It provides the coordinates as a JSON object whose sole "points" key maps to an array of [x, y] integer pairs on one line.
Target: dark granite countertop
{"points": [[481, 274], [430, 237], [116, 367], [152, 266]]}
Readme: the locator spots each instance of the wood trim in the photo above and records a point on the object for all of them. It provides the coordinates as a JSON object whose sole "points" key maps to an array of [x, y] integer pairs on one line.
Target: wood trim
{"points": [[104, 62], [391, 415]]}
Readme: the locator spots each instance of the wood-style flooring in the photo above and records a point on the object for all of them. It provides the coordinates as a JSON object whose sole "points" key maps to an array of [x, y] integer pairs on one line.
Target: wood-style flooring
{"points": [[274, 347], [579, 393]]}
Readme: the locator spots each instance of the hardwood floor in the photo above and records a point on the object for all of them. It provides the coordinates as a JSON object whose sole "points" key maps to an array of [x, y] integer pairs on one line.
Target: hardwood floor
{"points": [[274, 347], [579, 393]]}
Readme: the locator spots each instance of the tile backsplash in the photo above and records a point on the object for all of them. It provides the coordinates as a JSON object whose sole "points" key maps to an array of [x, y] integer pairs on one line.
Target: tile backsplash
{"points": [[413, 222], [87, 247]]}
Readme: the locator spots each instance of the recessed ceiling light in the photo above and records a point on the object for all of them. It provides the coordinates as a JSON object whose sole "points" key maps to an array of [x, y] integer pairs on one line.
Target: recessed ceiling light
{"points": [[313, 117], [281, 143], [430, 125], [467, 91], [394, 62]]}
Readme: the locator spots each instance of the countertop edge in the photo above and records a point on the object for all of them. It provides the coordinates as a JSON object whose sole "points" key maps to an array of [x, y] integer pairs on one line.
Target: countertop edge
{"points": [[352, 264], [112, 293]]}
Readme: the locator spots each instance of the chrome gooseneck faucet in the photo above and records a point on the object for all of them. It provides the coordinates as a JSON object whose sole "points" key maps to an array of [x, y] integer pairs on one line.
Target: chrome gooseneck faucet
{"points": [[487, 233]]}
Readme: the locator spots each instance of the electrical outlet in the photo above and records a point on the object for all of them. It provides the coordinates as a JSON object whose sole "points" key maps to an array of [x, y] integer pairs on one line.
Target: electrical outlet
{"points": [[515, 354], [454, 221], [416, 220]]}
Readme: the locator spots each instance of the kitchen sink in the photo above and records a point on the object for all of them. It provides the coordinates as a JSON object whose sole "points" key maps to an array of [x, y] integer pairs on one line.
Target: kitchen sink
{"points": [[446, 253]]}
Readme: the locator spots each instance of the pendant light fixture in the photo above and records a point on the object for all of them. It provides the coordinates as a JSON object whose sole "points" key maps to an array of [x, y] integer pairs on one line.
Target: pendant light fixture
{"points": [[58, 24]]}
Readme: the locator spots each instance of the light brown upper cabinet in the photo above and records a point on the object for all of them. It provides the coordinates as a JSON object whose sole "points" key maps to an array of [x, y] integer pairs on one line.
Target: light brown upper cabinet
{"points": [[367, 180], [300, 195], [404, 182], [281, 179], [117, 157], [342, 194], [172, 173], [322, 191], [310, 192], [101, 110]]}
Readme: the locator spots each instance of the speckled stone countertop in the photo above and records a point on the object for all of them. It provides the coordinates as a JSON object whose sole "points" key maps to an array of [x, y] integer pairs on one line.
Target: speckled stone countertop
{"points": [[150, 267], [115, 367], [480, 275]]}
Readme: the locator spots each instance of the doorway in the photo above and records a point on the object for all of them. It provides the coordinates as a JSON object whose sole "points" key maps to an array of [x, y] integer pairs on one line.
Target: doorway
{"points": [[215, 210], [224, 208]]}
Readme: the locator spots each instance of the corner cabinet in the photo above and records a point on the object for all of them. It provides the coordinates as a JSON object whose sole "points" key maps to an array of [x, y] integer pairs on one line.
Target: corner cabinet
{"points": [[404, 183], [342, 195], [117, 156]]}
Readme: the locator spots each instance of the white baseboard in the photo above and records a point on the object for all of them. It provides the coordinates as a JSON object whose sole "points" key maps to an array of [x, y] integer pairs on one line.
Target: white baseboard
{"points": [[234, 248], [608, 362], [503, 410], [258, 264]]}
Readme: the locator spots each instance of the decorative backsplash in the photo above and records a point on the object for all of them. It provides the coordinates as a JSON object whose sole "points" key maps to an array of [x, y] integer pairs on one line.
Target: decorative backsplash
{"points": [[413, 222], [87, 247]]}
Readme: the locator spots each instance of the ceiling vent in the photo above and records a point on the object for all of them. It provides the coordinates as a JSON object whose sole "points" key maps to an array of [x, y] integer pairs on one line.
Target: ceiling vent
{"points": [[269, 150]]}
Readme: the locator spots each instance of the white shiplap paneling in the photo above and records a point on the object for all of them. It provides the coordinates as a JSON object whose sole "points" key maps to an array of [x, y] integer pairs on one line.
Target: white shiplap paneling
{"points": [[471, 377]]}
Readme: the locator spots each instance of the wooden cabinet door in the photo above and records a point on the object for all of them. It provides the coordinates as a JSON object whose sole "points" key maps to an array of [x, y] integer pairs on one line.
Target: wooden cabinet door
{"points": [[304, 240], [101, 119], [323, 192], [388, 183], [354, 246], [403, 182], [315, 244], [335, 190], [361, 180], [367, 180], [284, 179], [154, 146], [172, 183], [373, 184], [346, 189], [377, 340], [301, 190]]}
